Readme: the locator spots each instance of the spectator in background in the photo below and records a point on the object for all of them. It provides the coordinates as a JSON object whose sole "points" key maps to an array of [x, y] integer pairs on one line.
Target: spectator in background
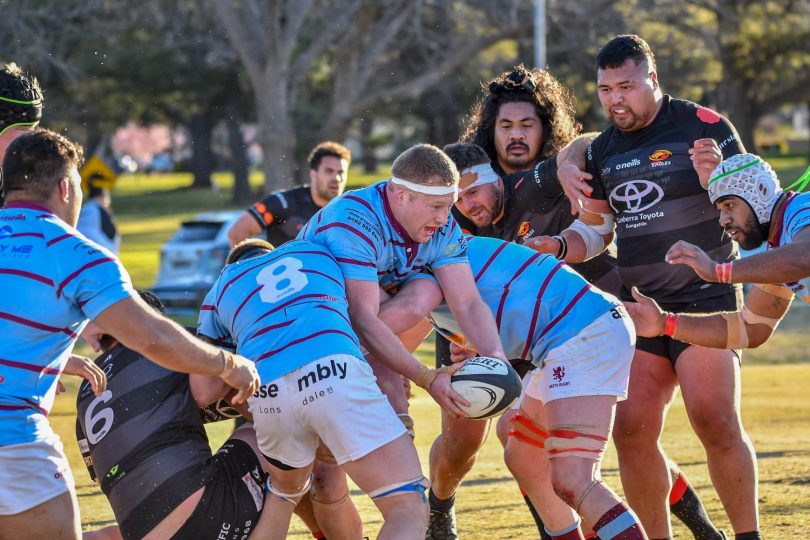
{"points": [[282, 213], [20, 108], [96, 221]]}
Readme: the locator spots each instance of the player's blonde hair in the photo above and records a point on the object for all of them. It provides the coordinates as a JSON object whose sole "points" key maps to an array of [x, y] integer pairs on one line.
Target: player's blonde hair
{"points": [[424, 164]]}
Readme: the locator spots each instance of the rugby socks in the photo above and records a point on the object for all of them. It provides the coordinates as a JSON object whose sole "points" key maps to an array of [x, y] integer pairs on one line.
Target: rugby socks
{"points": [[318, 535], [685, 504], [570, 533], [441, 505], [537, 519], [619, 523], [751, 535]]}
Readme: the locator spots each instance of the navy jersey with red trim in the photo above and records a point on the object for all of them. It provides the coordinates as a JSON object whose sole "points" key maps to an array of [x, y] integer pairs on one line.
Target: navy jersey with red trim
{"points": [[143, 438], [535, 205], [648, 179], [282, 213]]}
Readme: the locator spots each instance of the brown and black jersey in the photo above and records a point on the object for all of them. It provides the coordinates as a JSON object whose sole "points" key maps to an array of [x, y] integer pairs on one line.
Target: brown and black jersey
{"points": [[142, 439], [534, 205], [648, 179], [282, 213]]}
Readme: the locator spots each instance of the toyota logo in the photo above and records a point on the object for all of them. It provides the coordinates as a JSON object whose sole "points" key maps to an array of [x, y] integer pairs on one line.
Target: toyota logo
{"points": [[635, 196]]}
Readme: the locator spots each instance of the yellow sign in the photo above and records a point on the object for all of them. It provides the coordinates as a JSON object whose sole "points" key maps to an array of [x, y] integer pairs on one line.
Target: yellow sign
{"points": [[99, 172]]}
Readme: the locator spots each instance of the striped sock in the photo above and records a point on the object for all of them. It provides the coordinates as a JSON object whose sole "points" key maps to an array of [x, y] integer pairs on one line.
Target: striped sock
{"points": [[619, 523], [685, 504], [569, 533]]}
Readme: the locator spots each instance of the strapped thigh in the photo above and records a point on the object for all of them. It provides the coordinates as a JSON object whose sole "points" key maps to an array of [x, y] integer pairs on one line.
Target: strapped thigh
{"points": [[571, 441], [524, 429], [417, 485], [292, 498]]}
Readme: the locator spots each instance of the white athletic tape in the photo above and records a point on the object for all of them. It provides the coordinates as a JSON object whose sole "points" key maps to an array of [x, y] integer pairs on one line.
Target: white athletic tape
{"points": [[594, 243], [484, 175], [426, 190]]}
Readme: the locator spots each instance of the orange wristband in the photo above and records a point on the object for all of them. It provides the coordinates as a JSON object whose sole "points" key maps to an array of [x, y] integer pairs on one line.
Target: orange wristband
{"points": [[671, 324]]}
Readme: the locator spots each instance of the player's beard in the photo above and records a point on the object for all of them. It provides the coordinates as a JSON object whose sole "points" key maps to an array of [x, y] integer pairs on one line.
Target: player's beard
{"points": [[752, 233]]}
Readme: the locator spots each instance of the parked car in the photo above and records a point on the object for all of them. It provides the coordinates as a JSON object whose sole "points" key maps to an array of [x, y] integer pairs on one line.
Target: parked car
{"points": [[191, 261]]}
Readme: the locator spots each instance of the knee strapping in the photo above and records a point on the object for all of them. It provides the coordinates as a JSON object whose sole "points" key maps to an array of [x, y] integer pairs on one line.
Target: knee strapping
{"points": [[292, 498], [523, 429], [418, 485], [566, 442]]}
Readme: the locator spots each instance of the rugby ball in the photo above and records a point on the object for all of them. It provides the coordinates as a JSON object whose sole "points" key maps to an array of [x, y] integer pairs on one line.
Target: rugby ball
{"points": [[489, 384]]}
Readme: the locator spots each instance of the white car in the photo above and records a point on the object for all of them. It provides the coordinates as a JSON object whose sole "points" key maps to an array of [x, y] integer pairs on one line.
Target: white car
{"points": [[192, 259]]}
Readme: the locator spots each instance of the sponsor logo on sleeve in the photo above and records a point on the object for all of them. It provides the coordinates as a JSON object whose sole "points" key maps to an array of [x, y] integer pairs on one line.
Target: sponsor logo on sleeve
{"points": [[524, 228]]}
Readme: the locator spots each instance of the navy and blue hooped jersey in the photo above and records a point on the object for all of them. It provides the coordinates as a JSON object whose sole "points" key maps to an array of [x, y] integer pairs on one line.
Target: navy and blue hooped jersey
{"points": [[283, 309], [795, 218], [53, 280], [537, 301], [369, 244]]}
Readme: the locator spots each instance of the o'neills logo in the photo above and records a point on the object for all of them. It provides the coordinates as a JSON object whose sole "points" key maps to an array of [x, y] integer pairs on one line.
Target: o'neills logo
{"points": [[660, 155], [524, 228]]}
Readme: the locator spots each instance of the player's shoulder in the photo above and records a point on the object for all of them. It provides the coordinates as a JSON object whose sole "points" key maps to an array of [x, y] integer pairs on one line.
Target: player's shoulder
{"points": [[682, 110], [600, 144]]}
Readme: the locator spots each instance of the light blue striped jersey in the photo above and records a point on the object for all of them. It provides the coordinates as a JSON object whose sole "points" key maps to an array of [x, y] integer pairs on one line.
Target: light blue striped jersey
{"points": [[537, 301], [282, 310], [360, 230], [795, 218], [53, 280]]}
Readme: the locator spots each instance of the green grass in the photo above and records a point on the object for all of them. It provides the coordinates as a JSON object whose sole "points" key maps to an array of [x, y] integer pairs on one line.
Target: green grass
{"points": [[776, 405]]}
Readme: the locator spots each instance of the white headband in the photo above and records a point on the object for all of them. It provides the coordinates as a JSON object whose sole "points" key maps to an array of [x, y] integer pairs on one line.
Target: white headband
{"points": [[486, 175], [427, 190]]}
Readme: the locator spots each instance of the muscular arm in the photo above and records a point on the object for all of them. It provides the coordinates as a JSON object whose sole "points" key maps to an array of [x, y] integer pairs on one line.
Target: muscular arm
{"points": [[364, 306], [473, 316], [245, 227], [781, 265], [577, 249], [163, 341], [709, 330], [571, 170]]}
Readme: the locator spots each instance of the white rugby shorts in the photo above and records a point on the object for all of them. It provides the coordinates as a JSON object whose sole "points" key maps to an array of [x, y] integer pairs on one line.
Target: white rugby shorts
{"points": [[595, 362], [32, 473], [334, 399]]}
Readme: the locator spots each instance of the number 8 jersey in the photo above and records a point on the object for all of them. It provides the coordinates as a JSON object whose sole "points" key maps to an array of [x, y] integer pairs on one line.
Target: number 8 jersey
{"points": [[282, 310]]}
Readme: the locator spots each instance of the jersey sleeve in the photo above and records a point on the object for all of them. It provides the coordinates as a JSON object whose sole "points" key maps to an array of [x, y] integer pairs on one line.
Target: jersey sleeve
{"points": [[89, 276], [539, 186], [353, 236], [452, 248], [210, 327], [269, 210], [796, 220], [592, 167], [717, 127]]}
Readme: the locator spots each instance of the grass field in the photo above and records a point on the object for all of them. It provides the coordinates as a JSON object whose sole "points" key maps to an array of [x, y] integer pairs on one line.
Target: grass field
{"points": [[776, 403]]}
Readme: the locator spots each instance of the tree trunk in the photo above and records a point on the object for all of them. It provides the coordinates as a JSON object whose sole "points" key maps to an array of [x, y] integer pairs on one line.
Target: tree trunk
{"points": [[239, 161], [276, 133], [202, 161], [369, 158]]}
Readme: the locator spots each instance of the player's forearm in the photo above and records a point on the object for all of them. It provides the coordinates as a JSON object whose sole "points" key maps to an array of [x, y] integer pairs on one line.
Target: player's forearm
{"points": [[783, 265], [166, 343], [385, 346], [574, 152], [712, 331], [478, 325]]}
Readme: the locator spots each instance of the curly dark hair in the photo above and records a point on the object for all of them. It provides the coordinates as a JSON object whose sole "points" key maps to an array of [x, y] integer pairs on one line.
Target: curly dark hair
{"points": [[327, 148], [553, 102]]}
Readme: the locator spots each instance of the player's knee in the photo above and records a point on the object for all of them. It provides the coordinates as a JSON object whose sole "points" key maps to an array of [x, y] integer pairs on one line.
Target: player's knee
{"points": [[462, 443], [503, 427], [721, 430], [329, 482], [570, 483]]}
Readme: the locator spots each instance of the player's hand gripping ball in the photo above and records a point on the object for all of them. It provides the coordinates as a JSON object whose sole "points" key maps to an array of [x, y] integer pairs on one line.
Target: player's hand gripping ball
{"points": [[489, 384]]}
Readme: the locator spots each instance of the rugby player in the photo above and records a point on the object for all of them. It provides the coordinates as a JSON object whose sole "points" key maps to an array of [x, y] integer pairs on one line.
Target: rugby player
{"points": [[54, 280], [282, 213], [551, 317], [645, 174], [384, 235], [287, 310], [20, 108], [143, 441], [753, 210]]}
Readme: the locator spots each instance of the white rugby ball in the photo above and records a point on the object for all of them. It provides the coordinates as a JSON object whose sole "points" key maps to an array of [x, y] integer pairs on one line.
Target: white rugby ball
{"points": [[489, 384]]}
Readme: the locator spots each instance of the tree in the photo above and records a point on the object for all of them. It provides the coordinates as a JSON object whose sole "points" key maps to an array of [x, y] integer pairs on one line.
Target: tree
{"points": [[356, 45]]}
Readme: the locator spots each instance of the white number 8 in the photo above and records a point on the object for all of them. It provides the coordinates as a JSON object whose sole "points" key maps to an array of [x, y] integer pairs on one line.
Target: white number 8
{"points": [[281, 279]]}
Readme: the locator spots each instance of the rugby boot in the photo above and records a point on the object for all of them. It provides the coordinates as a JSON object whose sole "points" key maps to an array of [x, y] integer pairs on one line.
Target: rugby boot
{"points": [[442, 526]]}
